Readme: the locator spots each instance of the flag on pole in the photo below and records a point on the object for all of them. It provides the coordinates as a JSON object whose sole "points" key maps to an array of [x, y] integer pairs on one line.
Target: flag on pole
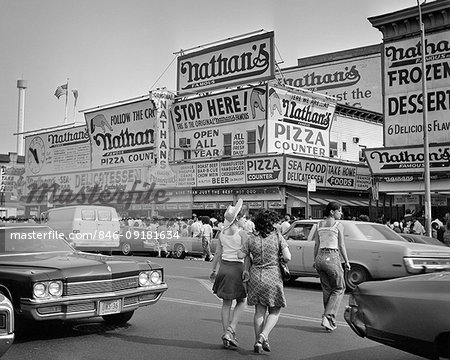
{"points": [[61, 90], [75, 95]]}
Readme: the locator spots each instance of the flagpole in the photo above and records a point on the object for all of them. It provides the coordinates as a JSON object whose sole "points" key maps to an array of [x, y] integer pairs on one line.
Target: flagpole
{"points": [[65, 108], [74, 105]]}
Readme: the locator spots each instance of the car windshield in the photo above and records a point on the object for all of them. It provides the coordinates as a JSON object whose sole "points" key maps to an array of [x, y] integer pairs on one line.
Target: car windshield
{"points": [[374, 232], [31, 240]]}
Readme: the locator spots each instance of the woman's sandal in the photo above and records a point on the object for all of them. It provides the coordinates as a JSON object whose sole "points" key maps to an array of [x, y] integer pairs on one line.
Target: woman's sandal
{"points": [[229, 338], [265, 342], [262, 344], [326, 324]]}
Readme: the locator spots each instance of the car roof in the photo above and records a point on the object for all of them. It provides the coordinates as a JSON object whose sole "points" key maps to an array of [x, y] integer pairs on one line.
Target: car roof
{"points": [[315, 221]]}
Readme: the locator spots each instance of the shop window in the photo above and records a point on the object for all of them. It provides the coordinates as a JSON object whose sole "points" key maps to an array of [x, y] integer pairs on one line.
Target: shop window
{"points": [[227, 144], [185, 143], [362, 158], [333, 149], [251, 142]]}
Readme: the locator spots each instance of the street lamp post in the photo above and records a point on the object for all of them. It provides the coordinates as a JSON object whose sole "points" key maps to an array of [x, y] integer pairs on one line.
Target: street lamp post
{"points": [[426, 149]]}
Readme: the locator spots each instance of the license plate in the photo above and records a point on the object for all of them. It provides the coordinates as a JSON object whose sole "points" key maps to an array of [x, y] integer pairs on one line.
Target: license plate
{"points": [[110, 307]]}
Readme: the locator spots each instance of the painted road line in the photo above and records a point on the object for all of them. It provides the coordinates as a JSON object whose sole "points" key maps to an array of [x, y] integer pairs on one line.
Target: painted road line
{"points": [[218, 306]]}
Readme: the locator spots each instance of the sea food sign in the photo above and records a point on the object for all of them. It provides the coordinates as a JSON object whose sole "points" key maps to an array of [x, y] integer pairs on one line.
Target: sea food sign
{"points": [[244, 61], [299, 122], [122, 135], [401, 160], [403, 90]]}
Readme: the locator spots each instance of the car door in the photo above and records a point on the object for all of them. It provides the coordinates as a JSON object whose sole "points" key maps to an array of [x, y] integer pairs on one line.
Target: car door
{"points": [[299, 243]]}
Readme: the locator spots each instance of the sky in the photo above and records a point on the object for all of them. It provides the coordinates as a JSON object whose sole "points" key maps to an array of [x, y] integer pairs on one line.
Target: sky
{"points": [[115, 50]]}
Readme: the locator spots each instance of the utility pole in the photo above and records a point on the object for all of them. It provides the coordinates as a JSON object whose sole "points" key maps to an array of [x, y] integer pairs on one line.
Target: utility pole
{"points": [[426, 148]]}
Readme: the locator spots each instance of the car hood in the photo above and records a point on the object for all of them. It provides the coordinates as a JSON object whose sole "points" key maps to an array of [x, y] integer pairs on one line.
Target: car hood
{"points": [[73, 266], [412, 302], [420, 249]]}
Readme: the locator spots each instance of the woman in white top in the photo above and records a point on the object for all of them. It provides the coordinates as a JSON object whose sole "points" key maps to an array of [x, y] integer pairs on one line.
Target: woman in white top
{"points": [[328, 249], [228, 283]]}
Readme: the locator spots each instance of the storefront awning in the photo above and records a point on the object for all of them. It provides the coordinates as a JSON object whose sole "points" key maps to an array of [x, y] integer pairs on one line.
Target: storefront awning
{"points": [[414, 187], [302, 199]]}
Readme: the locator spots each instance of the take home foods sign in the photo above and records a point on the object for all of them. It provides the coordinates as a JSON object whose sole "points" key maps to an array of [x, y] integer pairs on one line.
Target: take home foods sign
{"points": [[243, 61]]}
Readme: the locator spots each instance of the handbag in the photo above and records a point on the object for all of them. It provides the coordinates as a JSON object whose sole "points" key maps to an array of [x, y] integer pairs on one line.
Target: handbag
{"points": [[285, 273]]}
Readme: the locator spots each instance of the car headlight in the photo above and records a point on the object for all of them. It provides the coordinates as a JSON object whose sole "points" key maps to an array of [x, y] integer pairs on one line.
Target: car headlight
{"points": [[144, 279], [39, 290], [47, 289], [156, 277], [55, 288]]}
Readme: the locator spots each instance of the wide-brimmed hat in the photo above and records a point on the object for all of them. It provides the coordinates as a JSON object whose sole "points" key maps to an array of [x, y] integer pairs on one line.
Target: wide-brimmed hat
{"points": [[231, 213]]}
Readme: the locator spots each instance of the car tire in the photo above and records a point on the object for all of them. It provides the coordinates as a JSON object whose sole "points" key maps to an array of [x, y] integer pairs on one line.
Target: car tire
{"points": [[126, 248], [179, 252], [355, 276], [118, 319]]}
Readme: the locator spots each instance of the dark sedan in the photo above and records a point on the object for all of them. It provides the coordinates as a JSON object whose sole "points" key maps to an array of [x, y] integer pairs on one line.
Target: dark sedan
{"points": [[6, 324], [409, 313], [45, 278]]}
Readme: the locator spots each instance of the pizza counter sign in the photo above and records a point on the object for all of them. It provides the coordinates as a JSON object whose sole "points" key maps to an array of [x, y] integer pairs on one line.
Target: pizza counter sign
{"points": [[299, 122], [123, 135], [260, 171]]}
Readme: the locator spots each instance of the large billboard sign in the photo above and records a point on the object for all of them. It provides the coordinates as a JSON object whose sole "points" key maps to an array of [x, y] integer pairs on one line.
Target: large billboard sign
{"points": [[247, 104], [123, 135], [410, 160], [299, 122], [355, 82], [57, 152], [244, 61], [403, 116]]}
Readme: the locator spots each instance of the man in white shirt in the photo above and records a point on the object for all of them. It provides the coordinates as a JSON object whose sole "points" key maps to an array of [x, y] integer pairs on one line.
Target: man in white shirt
{"points": [[196, 227], [285, 224]]}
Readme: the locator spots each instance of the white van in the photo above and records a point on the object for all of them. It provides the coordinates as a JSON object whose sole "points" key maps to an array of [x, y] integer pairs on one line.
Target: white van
{"points": [[86, 227]]}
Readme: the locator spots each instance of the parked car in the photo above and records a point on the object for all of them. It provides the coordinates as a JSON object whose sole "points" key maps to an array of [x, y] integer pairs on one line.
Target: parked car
{"points": [[181, 246], [7, 324], [409, 313], [375, 252], [45, 278], [421, 239], [132, 241]]}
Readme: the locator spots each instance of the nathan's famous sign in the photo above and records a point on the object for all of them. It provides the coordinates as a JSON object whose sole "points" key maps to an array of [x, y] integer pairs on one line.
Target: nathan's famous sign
{"points": [[243, 61], [401, 160], [122, 135], [299, 121], [57, 152], [403, 123]]}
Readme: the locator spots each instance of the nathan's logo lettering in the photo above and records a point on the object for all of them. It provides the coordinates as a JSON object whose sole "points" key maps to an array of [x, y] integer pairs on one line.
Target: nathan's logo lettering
{"points": [[406, 160], [412, 55], [68, 137], [346, 77], [293, 110], [125, 139], [202, 74]]}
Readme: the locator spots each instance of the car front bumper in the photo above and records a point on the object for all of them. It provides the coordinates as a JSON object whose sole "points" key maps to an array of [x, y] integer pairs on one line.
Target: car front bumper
{"points": [[352, 318], [86, 306], [7, 331]]}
